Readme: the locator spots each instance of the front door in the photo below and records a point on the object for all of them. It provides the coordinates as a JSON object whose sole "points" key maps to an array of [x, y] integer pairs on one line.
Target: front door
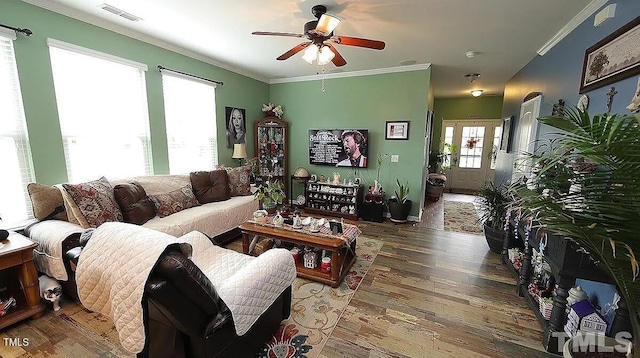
{"points": [[473, 145]]}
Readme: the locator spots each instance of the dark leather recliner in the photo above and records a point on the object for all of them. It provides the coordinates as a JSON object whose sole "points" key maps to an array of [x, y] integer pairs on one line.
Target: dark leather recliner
{"points": [[185, 317]]}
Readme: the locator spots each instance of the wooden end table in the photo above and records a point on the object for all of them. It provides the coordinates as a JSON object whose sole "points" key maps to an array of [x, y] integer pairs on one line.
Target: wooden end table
{"points": [[342, 255], [17, 255]]}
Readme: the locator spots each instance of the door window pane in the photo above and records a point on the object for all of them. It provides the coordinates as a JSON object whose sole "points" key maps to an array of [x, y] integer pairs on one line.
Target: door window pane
{"points": [[471, 148]]}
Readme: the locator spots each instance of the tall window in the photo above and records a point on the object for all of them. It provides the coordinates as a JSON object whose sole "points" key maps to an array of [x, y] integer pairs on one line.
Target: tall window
{"points": [[102, 106], [190, 115], [447, 148], [15, 157]]}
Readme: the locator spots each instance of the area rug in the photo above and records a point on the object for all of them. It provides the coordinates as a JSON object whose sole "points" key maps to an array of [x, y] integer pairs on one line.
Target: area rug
{"points": [[316, 309], [461, 217]]}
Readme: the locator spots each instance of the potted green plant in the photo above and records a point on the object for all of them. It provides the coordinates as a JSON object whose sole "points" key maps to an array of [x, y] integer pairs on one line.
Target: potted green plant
{"points": [[270, 194], [600, 210], [399, 204], [493, 202]]}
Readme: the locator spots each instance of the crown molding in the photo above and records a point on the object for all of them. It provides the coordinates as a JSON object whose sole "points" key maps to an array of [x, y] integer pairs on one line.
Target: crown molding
{"points": [[584, 14], [122, 30], [378, 71]]}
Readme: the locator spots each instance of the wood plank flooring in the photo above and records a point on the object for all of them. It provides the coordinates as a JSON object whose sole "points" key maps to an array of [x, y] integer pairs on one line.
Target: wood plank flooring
{"points": [[429, 293], [432, 293]]}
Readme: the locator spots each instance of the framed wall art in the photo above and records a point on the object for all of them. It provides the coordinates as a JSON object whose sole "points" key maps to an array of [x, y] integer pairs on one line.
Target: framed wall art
{"points": [[505, 141], [397, 130], [613, 58]]}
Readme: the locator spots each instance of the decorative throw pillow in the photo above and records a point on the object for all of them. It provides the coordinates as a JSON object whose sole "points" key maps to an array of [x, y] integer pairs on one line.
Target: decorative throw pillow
{"points": [[73, 212], [212, 186], [46, 202], [239, 180], [136, 206], [174, 201], [96, 201]]}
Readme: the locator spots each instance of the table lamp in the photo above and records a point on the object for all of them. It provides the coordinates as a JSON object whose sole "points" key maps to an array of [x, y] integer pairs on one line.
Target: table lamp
{"points": [[239, 152]]}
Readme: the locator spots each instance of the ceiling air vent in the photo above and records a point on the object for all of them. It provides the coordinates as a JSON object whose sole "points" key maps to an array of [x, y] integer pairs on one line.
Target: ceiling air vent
{"points": [[114, 10]]}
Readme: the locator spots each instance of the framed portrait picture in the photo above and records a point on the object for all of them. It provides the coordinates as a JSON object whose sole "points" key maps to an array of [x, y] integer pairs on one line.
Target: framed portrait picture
{"points": [[505, 140], [397, 130], [613, 58], [236, 125]]}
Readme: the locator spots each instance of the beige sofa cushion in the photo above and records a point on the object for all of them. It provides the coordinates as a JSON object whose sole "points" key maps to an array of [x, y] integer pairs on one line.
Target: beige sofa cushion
{"points": [[162, 184], [45, 201]]}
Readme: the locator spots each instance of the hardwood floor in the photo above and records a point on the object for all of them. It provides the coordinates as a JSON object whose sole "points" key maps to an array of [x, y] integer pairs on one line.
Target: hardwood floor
{"points": [[429, 293], [432, 293]]}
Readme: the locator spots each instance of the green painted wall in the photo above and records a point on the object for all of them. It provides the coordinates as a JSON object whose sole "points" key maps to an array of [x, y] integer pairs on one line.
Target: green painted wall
{"points": [[484, 107], [364, 102], [357, 102], [34, 69]]}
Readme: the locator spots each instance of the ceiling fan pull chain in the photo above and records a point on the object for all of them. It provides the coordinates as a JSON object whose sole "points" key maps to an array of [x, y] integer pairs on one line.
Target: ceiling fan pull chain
{"points": [[322, 78]]}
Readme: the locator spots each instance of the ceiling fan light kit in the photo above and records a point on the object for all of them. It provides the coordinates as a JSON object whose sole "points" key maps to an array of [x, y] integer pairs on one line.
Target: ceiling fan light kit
{"points": [[317, 32], [327, 24]]}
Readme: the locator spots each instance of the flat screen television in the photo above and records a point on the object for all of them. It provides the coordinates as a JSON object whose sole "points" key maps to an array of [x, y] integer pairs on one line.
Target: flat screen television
{"points": [[338, 147]]}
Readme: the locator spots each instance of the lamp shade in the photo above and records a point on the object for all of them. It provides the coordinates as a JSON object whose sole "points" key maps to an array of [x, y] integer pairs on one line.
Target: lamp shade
{"points": [[325, 56], [311, 53], [239, 151], [327, 24]]}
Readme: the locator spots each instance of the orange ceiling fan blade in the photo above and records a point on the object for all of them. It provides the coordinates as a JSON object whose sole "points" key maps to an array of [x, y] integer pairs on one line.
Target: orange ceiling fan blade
{"points": [[337, 60], [288, 34], [294, 51], [356, 41]]}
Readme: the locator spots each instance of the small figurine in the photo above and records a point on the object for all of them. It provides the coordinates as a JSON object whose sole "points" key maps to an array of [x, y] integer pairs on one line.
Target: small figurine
{"points": [[336, 178]]}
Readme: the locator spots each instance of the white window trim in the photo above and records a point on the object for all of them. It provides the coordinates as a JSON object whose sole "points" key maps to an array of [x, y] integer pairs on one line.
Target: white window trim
{"points": [[86, 51]]}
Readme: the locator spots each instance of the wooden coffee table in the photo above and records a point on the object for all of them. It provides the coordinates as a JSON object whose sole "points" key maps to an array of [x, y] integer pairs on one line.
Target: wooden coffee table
{"points": [[342, 254]]}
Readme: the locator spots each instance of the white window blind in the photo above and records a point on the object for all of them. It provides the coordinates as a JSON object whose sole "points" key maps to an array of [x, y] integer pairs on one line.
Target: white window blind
{"points": [[15, 157], [190, 115], [102, 107]]}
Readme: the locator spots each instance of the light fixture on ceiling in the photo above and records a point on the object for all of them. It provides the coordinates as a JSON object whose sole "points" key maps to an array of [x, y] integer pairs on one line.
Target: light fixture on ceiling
{"points": [[471, 77], [476, 93], [471, 54], [326, 25], [324, 54]]}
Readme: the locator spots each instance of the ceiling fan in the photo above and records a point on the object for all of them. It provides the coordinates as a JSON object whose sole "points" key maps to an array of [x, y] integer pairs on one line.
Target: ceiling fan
{"points": [[319, 31]]}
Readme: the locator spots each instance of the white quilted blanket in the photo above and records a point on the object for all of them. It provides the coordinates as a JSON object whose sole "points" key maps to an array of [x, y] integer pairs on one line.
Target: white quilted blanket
{"points": [[115, 265], [48, 255]]}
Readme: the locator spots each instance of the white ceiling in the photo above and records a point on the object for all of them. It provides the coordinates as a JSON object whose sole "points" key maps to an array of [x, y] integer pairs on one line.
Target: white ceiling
{"points": [[505, 33]]}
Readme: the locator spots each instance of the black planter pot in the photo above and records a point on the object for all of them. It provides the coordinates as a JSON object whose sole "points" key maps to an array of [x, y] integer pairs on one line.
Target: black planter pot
{"points": [[495, 238], [399, 211]]}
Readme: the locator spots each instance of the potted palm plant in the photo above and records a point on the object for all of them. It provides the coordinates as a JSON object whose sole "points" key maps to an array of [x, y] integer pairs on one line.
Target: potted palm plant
{"points": [[493, 202], [270, 194], [399, 204], [600, 210]]}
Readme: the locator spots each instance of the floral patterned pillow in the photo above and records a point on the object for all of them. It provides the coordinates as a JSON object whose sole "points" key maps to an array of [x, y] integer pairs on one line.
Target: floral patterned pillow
{"points": [[96, 201], [174, 201], [239, 180]]}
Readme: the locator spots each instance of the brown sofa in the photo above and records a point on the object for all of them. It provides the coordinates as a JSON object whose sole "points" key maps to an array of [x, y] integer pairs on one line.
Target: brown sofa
{"points": [[223, 197]]}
